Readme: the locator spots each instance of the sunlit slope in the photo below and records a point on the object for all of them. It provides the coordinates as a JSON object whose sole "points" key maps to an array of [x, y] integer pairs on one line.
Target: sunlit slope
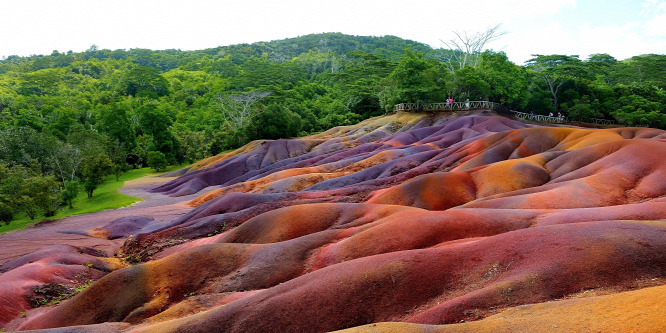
{"points": [[406, 221], [633, 311], [260, 158]]}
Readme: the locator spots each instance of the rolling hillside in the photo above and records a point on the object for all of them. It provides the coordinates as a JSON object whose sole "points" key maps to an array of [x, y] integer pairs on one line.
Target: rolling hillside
{"points": [[408, 222]]}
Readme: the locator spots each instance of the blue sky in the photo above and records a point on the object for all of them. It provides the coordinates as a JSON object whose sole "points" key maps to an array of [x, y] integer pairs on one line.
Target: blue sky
{"points": [[621, 28]]}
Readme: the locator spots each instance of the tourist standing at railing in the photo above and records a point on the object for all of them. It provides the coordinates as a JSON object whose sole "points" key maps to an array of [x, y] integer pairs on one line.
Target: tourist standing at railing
{"points": [[467, 103]]}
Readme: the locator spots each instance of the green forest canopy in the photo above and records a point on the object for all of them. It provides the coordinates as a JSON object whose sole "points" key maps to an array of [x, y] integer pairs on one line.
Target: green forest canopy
{"points": [[63, 112]]}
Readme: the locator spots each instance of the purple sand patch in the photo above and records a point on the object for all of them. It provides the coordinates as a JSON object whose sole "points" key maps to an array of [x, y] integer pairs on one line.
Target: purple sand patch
{"points": [[126, 226], [374, 172], [53, 251], [274, 156]]}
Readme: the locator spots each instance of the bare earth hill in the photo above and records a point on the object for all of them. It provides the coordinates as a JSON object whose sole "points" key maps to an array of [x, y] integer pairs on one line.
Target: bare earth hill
{"points": [[402, 223]]}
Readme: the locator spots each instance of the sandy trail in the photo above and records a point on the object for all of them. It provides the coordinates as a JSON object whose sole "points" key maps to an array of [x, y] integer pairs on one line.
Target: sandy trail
{"points": [[161, 207]]}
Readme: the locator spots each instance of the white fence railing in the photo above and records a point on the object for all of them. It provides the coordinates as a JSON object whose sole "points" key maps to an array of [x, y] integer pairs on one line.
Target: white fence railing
{"points": [[477, 105], [538, 117], [601, 121], [454, 106]]}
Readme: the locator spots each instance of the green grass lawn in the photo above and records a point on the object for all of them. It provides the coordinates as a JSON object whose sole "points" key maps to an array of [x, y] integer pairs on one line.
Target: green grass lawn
{"points": [[106, 196]]}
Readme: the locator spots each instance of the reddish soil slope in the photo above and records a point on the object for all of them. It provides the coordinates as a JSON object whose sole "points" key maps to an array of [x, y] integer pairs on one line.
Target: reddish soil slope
{"points": [[402, 223]]}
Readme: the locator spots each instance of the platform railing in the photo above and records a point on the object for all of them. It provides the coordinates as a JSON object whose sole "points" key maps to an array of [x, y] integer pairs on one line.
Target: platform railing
{"points": [[444, 106], [537, 117], [486, 105]]}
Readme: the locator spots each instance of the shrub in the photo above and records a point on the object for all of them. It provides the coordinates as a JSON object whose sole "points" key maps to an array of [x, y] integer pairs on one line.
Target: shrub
{"points": [[69, 193], [6, 213], [157, 160]]}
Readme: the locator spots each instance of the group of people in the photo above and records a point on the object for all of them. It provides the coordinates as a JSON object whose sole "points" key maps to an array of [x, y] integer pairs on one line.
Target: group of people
{"points": [[560, 117], [449, 102]]}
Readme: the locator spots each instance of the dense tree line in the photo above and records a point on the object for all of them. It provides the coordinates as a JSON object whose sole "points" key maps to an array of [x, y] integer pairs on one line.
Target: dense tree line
{"points": [[69, 119]]}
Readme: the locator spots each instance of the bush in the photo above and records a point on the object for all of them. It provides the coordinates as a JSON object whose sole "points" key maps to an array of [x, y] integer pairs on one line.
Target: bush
{"points": [[69, 193], [89, 186], [583, 111], [41, 193], [225, 140], [6, 213], [157, 160], [94, 171], [48, 195], [275, 123]]}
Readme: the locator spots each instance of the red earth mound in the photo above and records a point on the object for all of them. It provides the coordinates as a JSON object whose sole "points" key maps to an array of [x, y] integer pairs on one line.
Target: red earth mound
{"points": [[409, 222], [631, 311]]}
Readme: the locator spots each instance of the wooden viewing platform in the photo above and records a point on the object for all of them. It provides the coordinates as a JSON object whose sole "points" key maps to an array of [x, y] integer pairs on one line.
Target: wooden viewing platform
{"points": [[537, 117], [455, 106], [601, 121], [486, 105]]}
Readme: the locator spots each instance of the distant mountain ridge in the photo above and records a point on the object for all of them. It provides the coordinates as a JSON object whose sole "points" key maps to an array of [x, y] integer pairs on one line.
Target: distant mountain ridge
{"points": [[391, 47]]}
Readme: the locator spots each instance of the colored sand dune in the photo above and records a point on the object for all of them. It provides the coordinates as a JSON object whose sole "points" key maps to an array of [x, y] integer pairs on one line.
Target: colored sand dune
{"points": [[402, 223]]}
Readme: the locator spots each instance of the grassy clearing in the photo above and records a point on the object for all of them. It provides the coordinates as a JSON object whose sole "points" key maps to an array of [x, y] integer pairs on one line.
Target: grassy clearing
{"points": [[106, 196]]}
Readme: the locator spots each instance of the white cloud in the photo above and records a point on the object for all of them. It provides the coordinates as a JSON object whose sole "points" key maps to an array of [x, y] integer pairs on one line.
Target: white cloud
{"points": [[656, 26], [619, 41], [652, 6], [550, 38], [653, 14]]}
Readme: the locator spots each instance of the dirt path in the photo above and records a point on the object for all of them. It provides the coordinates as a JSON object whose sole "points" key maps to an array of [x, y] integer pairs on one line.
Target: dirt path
{"points": [[161, 207]]}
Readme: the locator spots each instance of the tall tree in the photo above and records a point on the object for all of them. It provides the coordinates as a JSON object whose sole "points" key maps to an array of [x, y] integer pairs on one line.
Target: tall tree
{"points": [[12, 180], [601, 65], [114, 120], [507, 81], [414, 77], [27, 147], [467, 47], [66, 160], [145, 81], [276, 123], [193, 145], [156, 121], [239, 109], [42, 192], [555, 70], [94, 171]]}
